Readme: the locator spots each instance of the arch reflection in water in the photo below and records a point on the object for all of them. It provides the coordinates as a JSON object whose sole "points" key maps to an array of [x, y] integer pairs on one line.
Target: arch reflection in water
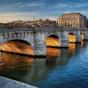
{"points": [[53, 52], [72, 47], [75, 47], [15, 66], [53, 41], [17, 46], [52, 57]]}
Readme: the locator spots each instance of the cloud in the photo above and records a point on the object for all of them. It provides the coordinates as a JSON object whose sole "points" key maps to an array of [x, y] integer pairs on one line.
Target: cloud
{"points": [[8, 17], [71, 5], [34, 4], [29, 9]]}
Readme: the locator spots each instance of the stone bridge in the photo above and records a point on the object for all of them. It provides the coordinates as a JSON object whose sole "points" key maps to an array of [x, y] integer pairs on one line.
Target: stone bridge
{"points": [[36, 36]]}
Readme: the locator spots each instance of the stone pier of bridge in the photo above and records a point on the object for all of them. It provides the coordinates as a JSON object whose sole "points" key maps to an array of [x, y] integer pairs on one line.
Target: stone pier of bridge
{"points": [[86, 35]]}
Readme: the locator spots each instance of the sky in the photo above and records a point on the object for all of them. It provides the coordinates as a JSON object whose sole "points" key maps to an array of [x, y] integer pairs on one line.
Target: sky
{"points": [[11, 10]]}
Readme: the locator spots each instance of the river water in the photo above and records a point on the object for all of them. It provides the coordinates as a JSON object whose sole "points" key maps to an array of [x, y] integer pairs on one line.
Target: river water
{"points": [[62, 68]]}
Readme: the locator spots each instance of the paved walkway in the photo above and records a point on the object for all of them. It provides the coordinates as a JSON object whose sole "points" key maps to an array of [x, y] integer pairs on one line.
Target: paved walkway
{"points": [[9, 83]]}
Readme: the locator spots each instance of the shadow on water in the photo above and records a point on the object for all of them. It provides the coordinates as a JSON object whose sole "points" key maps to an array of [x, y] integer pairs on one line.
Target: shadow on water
{"points": [[62, 68]]}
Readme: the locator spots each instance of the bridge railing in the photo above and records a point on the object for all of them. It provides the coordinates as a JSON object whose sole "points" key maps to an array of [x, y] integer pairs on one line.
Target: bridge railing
{"points": [[40, 29]]}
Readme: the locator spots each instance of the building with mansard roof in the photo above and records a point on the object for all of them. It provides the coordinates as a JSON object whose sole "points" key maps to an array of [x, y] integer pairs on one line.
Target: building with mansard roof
{"points": [[72, 20]]}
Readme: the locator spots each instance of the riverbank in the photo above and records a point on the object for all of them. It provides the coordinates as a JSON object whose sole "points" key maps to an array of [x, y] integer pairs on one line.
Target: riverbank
{"points": [[9, 83]]}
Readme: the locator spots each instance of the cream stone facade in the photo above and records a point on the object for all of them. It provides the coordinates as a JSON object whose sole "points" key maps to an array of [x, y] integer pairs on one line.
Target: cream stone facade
{"points": [[72, 20]]}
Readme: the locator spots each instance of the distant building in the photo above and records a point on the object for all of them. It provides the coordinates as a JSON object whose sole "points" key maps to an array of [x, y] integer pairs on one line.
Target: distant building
{"points": [[29, 24], [72, 20]]}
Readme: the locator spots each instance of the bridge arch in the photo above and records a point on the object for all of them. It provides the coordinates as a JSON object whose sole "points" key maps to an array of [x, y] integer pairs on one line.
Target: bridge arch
{"points": [[17, 46], [20, 40], [52, 41], [71, 37]]}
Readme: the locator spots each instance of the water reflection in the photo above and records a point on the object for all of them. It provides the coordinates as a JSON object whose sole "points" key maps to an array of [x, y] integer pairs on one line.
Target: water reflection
{"points": [[15, 66], [53, 52], [52, 55], [72, 47], [72, 75], [54, 71]]}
